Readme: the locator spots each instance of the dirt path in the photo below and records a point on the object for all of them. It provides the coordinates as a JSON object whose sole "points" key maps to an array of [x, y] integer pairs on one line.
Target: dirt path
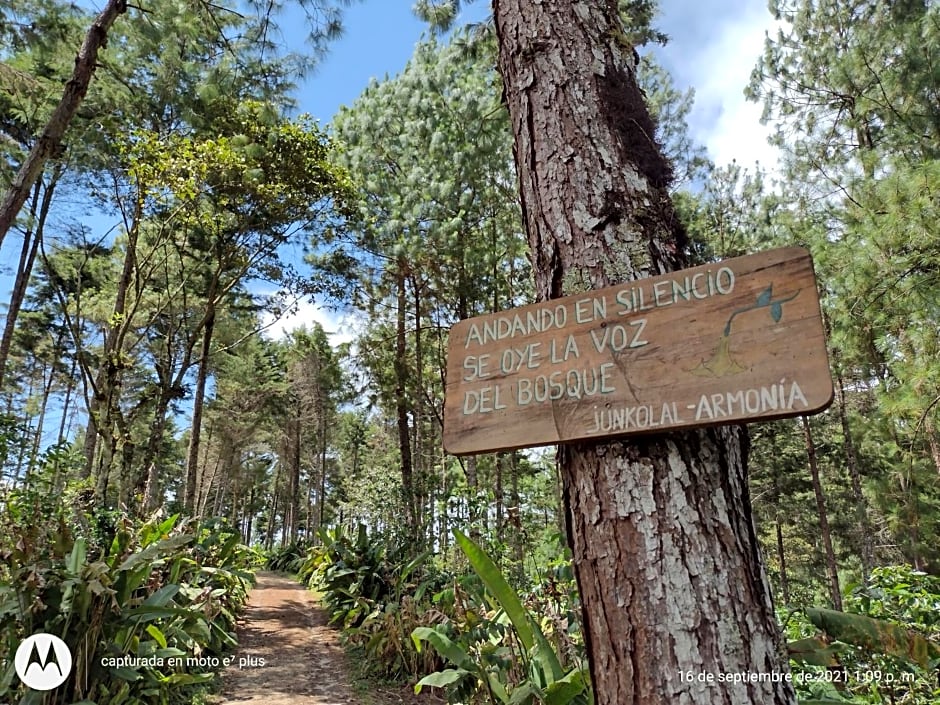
{"points": [[284, 629]]}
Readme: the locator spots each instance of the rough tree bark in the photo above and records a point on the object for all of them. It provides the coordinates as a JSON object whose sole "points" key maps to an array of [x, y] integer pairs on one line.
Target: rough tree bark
{"points": [[50, 140], [665, 551]]}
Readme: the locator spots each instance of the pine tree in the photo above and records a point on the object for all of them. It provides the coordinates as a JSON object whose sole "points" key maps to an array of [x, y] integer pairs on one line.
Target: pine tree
{"points": [[652, 602]]}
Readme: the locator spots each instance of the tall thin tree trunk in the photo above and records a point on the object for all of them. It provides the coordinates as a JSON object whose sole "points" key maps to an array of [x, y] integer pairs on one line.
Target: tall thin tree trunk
{"points": [[665, 552], [515, 519], [31, 240], [21, 452], [41, 422], [443, 536], [90, 445], [49, 142], [272, 517], [401, 400], [199, 398], [105, 405], [782, 560], [207, 477], [418, 483], [66, 403], [501, 461], [308, 512], [863, 526], [471, 471], [835, 593], [293, 489], [321, 496], [148, 480], [249, 514], [219, 499]]}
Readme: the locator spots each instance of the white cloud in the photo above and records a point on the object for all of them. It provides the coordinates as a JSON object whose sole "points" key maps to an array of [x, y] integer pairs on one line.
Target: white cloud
{"points": [[339, 326], [723, 120]]}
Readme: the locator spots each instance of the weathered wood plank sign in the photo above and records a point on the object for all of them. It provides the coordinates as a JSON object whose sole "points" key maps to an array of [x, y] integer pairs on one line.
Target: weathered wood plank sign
{"points": [[738, 340]]}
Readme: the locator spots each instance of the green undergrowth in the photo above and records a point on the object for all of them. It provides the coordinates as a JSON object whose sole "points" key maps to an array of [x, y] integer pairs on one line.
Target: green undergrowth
{"points": [[474, 637], [391, 605], [147, 609], [884, 648]]}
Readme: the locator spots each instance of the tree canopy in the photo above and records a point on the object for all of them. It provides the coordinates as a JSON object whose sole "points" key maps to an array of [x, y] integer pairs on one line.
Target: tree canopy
{"points": [[159, 441]]}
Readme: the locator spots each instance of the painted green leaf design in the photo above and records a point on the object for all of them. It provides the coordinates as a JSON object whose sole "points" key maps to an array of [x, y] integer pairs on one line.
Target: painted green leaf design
{"points": [[765, 296], [776, 311]]}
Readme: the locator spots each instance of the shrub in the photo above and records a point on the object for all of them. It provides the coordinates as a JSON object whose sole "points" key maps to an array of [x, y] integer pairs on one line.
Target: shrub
{"points": [[885, 647], [505, 657], [377, 595], [287, 558], [161, 590]]}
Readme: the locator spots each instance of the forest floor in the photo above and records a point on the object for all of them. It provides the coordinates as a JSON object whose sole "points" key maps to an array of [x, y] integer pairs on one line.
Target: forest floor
{"points": [[303, 661]]}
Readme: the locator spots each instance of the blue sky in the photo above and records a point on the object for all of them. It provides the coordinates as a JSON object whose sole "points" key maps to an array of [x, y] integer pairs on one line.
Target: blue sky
{"points": [[713, 47]]}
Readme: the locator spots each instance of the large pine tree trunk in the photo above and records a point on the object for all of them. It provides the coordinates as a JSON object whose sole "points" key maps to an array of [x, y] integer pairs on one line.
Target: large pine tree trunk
{"points": [[664, 546]]}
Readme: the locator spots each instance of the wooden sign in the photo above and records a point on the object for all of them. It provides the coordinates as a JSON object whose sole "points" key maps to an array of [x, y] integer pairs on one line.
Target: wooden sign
{"points": [[738, 340]]}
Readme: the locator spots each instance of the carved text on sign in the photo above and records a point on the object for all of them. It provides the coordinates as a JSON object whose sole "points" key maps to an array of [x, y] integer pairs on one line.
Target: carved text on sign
{"points": [[737, 340]]}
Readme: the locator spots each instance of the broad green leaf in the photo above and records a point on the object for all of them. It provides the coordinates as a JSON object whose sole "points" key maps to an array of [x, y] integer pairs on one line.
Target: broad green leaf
{"points": [[495, 582], [162, 597], [524, 694], [544, 657], [441, 679], [530, 636], [496, 687], [566, 689], [155, 551], [876, 635], [157, 635], [149, 614], [7, 678], [76, 558], [412, 564], [187, 678], [445, 647], [128, 674]]}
